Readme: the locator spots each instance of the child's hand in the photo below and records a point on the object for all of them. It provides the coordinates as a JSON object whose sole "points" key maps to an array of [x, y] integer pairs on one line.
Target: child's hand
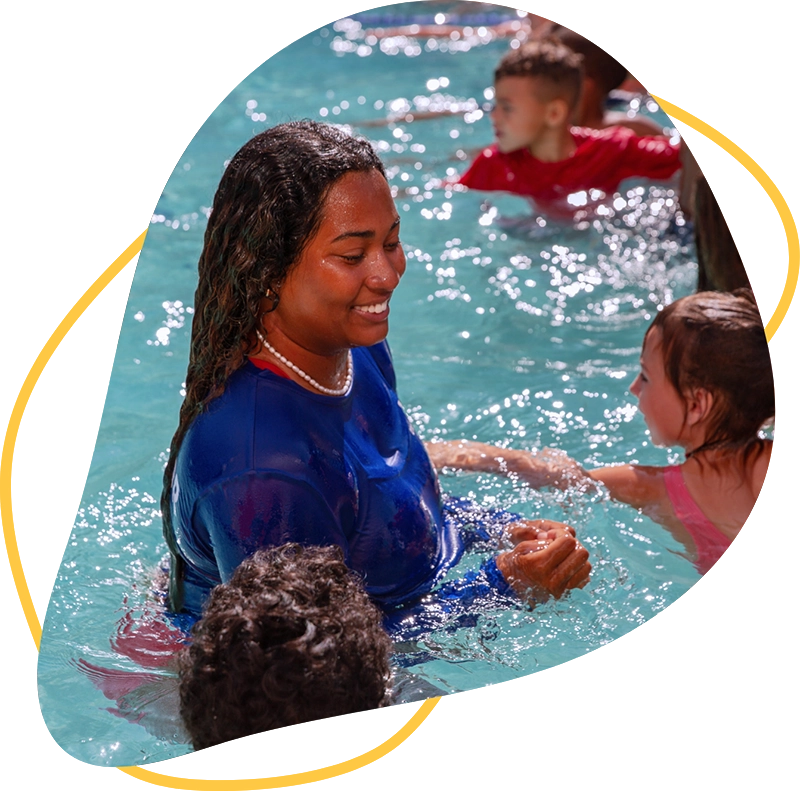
{"points": [[545, 530]]}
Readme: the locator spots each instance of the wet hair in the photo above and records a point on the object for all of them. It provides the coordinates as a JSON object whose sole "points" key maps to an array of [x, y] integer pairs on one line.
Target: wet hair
{"points": [[557, 69], [719, 265], [291, 638], [716, 341], [598, 65], [268, 206]]}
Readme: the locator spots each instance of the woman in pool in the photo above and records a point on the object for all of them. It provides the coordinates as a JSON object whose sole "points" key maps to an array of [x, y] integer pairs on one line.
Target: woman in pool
{"points": [[291, 429], [705, 385]]}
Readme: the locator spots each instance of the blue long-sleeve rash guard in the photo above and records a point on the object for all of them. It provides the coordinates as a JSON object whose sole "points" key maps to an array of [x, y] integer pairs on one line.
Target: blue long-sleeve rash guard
{"points": [[269, 462]]}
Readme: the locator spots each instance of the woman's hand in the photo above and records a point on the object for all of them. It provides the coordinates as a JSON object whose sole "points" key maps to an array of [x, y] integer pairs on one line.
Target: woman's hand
{"points": [[546, 557]]}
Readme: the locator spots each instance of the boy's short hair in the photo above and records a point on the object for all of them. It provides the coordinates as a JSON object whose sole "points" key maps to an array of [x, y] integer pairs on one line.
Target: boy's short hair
{"points": [[291, 638], [557, 68]]}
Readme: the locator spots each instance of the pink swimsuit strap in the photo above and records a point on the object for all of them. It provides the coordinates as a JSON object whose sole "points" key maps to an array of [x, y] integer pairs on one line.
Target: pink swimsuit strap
{"points": [[710, 541]]}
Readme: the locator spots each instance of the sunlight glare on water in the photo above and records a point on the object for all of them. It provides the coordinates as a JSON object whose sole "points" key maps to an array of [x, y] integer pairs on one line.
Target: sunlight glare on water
{"points": [[508, 328]]}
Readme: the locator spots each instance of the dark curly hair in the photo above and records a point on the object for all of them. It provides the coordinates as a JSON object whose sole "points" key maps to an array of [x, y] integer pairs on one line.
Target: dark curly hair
{"points": [[291, 638], [268, 206], [557, 68], [716, 341]]}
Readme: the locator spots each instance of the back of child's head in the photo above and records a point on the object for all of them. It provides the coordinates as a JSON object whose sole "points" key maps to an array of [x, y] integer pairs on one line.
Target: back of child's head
{"points": [[291, 638], [715, 341], [598, 65], [558, 70]]}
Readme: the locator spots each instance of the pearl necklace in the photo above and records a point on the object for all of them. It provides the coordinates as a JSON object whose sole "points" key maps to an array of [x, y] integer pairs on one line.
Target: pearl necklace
{"points": [[338, 391]]}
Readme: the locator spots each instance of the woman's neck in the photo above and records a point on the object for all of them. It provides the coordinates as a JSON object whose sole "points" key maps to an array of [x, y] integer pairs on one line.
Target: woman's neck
{"points": [[327, 371]]}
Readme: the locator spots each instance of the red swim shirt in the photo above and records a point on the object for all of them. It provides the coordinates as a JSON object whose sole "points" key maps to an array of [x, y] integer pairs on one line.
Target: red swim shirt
{"points": [[602, 159]]}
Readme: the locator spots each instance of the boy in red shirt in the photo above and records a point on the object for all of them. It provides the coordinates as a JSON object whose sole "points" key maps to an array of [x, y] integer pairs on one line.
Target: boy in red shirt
{"points": [[539, 155]]}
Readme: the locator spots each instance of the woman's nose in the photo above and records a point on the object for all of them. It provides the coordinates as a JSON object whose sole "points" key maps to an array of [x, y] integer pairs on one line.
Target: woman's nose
{"points": [[387, 270], [636, 385]]}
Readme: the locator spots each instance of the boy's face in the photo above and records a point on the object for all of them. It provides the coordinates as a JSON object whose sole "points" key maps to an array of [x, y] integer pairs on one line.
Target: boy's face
{"points": [[518, 117]]}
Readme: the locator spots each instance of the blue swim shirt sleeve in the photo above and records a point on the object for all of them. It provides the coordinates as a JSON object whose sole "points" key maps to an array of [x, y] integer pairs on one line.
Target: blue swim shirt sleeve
{"points": [[458, 601], [258, 509], [454, 604], [482, 528]]}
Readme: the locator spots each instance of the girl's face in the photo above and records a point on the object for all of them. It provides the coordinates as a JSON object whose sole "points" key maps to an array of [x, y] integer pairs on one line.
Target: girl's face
{"points": [[337, 295], [659, 402]]}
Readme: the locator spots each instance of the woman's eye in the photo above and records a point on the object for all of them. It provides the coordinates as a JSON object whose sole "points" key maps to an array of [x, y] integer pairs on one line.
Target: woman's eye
{"points": [[353, 259]]}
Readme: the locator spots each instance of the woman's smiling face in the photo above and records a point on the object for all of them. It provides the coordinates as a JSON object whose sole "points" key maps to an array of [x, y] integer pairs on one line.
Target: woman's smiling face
{"points": [[336, 296]]}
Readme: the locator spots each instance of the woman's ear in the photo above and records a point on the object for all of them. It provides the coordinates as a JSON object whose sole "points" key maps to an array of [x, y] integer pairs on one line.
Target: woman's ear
{"points": [[699, 406]]}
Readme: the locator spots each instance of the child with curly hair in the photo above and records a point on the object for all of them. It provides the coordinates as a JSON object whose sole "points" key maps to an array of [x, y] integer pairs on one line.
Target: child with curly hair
{"points": [[705, 385], [292, 637]]}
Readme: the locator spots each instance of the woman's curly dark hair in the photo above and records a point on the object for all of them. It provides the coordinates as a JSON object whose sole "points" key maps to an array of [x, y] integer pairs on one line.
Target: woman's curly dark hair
{"points": [[268, 206], [291, 638]]}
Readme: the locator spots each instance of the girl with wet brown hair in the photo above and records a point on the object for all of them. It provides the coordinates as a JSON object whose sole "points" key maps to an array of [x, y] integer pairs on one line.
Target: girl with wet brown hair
{"points": [[705, 385]]}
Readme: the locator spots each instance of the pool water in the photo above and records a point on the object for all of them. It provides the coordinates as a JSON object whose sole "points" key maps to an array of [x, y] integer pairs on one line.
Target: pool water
{"points": [[508, 328]]}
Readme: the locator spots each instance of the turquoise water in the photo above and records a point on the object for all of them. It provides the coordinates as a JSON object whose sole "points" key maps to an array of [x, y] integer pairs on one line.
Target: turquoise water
{"points": [[507, 328]]}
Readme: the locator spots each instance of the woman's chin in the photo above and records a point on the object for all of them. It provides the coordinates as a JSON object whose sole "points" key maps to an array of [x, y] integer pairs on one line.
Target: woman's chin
{"points": [[370, 336]]}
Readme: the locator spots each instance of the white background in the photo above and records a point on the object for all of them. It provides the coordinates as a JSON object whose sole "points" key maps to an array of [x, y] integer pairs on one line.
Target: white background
{"points": [[97, 95]]}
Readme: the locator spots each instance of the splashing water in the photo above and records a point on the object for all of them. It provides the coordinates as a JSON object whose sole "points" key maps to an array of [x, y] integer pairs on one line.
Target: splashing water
{"points": [[508, 328]]}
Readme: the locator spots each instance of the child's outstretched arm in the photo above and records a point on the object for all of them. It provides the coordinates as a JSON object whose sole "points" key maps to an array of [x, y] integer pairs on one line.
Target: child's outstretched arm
{"points": [[635, 485], [632, 484], [547, 467]]}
